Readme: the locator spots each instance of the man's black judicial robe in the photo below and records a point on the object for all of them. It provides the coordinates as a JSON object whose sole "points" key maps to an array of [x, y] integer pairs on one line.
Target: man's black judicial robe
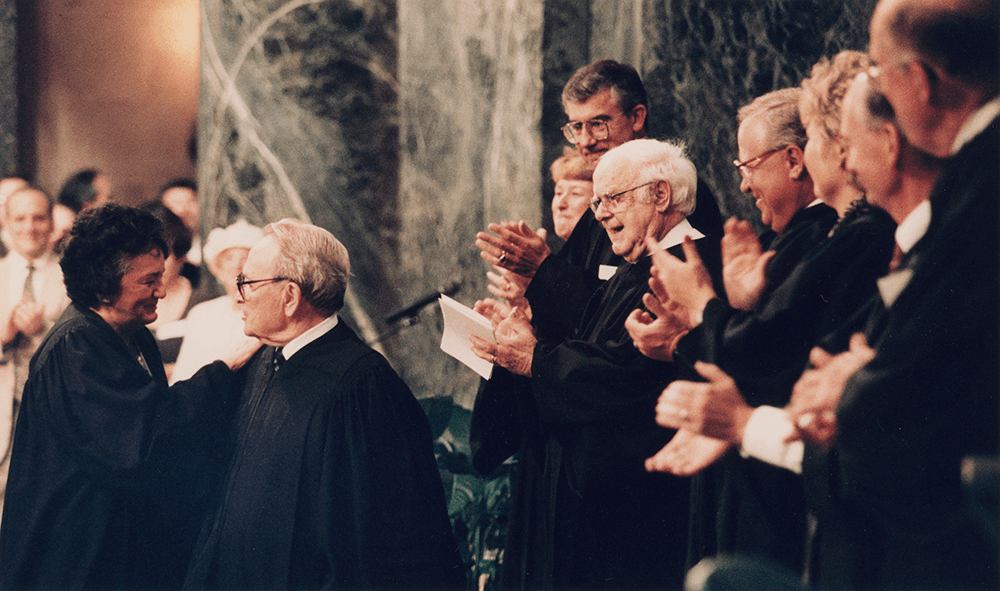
{"points": [[109, 467], [333, 482], [587, 513], [760, 509], [888, 495]]}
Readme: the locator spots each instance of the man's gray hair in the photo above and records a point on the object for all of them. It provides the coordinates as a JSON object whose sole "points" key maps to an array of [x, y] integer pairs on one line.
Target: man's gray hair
{"points": [[877, 109], [780, 112], [653, 160], [315, 260]]}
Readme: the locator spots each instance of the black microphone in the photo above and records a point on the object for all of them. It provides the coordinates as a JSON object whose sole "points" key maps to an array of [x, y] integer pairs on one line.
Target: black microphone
{"points": [[411, 310]]}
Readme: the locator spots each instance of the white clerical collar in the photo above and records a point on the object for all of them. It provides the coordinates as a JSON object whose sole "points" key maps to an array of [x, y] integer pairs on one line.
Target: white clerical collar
{"points": [[914, 226], [308, 336], [676, 234], [815, 202], [975, 124]]}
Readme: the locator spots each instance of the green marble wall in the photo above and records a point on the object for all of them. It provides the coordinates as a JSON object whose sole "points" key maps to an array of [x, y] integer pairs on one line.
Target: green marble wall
{"points": [[404, 126]]}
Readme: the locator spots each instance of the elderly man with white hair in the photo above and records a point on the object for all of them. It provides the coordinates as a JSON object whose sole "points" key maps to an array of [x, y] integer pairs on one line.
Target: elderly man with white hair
{"points": [[211, 328], [605, 521]]}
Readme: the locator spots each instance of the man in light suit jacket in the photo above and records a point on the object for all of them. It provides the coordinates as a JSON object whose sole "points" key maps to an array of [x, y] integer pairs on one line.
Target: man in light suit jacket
{"points": [[32, 297]]}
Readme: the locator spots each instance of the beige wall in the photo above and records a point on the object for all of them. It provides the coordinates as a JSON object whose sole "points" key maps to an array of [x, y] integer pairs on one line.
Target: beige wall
{"points": [[117, 90]]}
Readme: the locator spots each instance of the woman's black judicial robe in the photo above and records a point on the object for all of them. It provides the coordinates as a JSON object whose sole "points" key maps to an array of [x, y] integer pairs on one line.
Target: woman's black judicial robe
{"points": [[109, 466]]}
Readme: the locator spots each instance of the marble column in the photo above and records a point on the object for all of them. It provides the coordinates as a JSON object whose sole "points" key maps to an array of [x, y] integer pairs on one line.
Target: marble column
{"points": [[405, 126], [8, 88], [470, 96], [402, 140]]}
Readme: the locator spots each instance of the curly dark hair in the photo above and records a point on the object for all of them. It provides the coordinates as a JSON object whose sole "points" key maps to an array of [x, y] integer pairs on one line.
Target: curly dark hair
{"points": [[101, 246]]}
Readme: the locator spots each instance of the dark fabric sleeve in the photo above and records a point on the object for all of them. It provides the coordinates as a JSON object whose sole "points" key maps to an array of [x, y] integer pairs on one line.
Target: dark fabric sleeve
{"points": [[495, 432], [576, 381], [558, 295], [114, 417]]}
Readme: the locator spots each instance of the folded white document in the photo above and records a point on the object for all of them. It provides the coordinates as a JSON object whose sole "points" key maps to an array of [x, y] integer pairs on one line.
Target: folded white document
{"points": [[460, 322]]}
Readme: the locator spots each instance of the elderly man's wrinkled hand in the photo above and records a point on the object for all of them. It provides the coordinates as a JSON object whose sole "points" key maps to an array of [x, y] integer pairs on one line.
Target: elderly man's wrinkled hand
{"points": [[714, 408], [242, 353], [515, 346], [656, 330], [687, 283], [687, 454], [511, 287], [493, 310], [817, 393]]}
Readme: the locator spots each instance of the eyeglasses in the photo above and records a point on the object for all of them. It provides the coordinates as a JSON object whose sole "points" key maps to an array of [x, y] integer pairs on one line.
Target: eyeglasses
{"points": [[596, 128], [747, 166], [612, 202], [241, 280]]}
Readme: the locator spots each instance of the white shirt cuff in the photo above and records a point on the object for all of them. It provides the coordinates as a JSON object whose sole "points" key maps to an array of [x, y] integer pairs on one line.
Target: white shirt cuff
{"points": [[764, 439]]}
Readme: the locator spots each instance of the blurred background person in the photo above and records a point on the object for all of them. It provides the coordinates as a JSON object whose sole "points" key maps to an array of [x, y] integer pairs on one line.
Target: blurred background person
{"points": [[7, 187], [180, 295], [216, 326], [574, 179], [181, 197], [85, 189], [32, 297]]}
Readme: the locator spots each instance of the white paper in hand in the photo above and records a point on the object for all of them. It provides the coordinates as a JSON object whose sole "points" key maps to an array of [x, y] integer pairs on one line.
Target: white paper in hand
{"points": [[460, 322]]}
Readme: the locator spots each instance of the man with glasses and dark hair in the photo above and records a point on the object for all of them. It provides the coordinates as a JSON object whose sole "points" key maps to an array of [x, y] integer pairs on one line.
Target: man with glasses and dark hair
{"points": [[332, 482], [589, 516]]}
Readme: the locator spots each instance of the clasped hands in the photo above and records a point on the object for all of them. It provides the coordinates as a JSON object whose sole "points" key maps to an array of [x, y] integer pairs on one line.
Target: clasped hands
{"points": [[710, 416], [515, 338], [27, 318], [682, 289], [515, 247]]}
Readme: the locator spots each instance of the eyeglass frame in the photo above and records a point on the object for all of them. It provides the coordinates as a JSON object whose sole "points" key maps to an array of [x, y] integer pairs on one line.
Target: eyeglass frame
{"points": [[591, 126], [241, 280], [609, 201], [745, 168]]}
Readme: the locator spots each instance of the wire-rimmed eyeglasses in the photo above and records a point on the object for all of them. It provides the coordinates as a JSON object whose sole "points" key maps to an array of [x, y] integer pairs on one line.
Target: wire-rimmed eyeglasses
{"points": [[596, 128], [612, 201], [750, 164], [241, 280]]}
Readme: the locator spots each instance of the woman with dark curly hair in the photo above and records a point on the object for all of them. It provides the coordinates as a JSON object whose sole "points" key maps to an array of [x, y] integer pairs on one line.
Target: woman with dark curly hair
{"points": [[109, 464]]}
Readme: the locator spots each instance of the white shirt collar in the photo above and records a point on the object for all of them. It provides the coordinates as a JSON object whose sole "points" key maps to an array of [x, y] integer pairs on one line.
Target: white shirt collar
{"points": [[676, 234], [308, 336], [19, 272], [814, 203], [914, 226], [975, 124]]}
